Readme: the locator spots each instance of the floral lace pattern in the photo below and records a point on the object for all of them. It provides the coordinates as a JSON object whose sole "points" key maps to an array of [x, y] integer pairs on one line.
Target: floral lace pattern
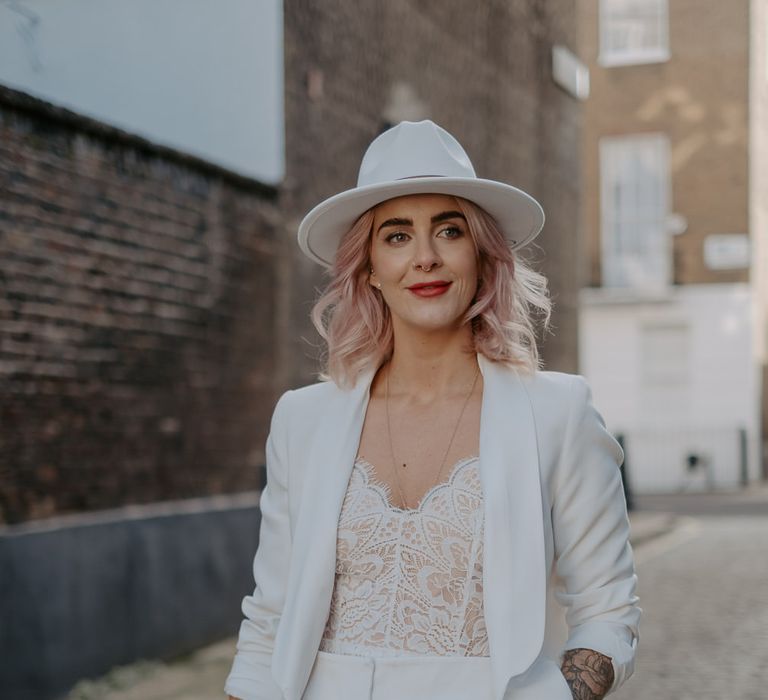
{"points": [[409, 581]]}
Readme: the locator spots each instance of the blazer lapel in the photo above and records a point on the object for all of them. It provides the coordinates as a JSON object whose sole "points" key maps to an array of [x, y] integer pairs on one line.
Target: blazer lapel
{"points": [[331, 456], [514, 567]]}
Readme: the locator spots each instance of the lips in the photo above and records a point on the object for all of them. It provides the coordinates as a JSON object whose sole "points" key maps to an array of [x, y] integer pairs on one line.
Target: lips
{"points": [[426, 285], [430, 289]]}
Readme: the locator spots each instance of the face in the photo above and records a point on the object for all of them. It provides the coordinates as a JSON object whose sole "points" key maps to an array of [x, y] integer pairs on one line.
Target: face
{"points": [[418, 239]]}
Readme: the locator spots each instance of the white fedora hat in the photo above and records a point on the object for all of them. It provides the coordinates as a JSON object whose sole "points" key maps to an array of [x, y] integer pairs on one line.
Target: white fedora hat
{"points": [[416, 158]]}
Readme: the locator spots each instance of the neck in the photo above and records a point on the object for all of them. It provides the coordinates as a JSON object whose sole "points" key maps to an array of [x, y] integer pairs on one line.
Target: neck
{"points": [[430, 366]]}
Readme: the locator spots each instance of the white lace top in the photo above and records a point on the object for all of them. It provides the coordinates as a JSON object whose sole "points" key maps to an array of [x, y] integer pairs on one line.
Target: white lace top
{"points": [[409, 581]]}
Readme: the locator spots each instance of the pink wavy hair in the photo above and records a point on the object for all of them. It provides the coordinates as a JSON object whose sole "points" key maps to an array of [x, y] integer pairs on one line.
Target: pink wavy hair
{"points": [[355, 323]]}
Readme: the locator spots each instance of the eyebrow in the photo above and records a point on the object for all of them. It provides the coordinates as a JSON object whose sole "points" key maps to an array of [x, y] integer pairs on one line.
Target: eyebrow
{"points": [[436, 219]]}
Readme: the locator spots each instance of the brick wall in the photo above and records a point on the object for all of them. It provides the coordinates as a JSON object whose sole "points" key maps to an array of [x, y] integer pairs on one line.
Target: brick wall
{"points": [[153, 306], [136, 318], [481, 70], [699, 99]]}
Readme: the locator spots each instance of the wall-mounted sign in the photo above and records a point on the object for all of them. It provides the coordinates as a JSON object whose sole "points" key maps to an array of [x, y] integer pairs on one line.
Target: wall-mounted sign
{"points": [[569, 72], [726, 251]]}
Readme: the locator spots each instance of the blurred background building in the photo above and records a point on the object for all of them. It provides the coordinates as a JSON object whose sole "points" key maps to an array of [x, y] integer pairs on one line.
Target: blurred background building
{"points": [[673, 314], [155, 159]]}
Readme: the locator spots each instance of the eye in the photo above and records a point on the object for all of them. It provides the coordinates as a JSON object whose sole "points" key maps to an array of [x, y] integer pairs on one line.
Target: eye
{"points": [[396, 237], [452, 232]]}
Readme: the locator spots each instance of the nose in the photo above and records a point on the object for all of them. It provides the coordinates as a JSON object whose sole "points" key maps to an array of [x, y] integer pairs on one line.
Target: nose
{"points": [[425, 254]]}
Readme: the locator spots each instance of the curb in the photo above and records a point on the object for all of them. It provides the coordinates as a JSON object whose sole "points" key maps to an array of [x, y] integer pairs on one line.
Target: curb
{"points": [[645, 526]]}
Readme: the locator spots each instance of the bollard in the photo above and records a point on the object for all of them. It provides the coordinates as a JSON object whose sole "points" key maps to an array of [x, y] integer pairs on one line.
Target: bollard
{"points": [[624, 477]]}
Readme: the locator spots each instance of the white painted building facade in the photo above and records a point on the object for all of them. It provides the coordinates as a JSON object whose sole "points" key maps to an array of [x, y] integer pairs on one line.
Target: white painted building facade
{"points": [[675, 374]]}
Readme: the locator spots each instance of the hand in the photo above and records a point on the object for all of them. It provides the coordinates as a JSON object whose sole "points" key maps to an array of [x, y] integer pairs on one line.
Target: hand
{"points": [[589, 673]]}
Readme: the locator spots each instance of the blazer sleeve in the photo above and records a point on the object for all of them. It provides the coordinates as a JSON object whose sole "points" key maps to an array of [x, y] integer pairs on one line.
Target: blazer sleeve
{"points": [[591, 532], [250, 677]]}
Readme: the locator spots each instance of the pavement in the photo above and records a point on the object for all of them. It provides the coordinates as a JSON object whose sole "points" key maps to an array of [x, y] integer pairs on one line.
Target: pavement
{"points": [[200, 676], [752, 500], [647, 525], [703, 633]]}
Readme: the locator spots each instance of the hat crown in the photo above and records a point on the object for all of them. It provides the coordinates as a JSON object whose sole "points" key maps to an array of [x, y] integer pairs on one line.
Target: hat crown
{"points": [[413, 149]]}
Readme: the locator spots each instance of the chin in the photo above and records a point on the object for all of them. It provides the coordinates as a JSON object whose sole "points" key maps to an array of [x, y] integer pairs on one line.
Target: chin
{"points": [[433, 324], [430, 320]]}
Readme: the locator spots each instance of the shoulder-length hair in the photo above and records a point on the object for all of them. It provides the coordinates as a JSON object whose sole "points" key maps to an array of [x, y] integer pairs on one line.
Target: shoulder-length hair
{"points": [[355, 322]]}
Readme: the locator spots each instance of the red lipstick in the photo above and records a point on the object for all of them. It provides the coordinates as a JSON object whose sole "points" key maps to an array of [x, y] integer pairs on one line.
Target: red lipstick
{"points": [[430, 289]]}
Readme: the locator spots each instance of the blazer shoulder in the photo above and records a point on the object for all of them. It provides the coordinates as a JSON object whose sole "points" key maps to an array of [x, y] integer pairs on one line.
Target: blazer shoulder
{"points": [[556, 396], [551, 383], [307, 400], [317, 391], [309, 397]]}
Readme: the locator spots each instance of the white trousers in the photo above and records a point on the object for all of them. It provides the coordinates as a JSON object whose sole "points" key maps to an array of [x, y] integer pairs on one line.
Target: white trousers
{"points": [[336, 676], [347, 677]]}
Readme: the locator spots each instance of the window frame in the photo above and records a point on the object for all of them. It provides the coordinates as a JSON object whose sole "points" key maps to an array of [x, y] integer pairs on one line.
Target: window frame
{"points": [[608, 247], [633, 57]]}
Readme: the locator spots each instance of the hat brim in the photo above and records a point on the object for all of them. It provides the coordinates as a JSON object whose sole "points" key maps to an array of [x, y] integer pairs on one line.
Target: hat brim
{"points": [[519, 216]]}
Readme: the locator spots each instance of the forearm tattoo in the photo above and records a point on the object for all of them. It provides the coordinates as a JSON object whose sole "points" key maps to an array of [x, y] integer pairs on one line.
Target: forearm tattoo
{"points": [[588, 673]]}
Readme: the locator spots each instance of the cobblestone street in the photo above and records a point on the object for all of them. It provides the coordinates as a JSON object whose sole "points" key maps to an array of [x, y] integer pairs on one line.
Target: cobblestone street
{"points": [[199, 676], [704, 632]]}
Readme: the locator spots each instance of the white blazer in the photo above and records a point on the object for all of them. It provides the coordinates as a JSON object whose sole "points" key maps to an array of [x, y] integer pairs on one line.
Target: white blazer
{"points": [[558, 571]]}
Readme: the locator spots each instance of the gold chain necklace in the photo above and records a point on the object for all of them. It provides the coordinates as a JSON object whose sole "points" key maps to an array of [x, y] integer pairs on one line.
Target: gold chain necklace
{"points": [[447, 449]]}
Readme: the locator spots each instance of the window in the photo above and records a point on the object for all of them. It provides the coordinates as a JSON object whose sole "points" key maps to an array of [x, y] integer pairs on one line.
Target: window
{"points": [[664, 353], [634, 203], [633, 31], [665, 362]]}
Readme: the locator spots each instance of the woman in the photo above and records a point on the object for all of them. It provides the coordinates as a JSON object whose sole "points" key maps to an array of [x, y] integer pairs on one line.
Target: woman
{"points": [[441, 518]]}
